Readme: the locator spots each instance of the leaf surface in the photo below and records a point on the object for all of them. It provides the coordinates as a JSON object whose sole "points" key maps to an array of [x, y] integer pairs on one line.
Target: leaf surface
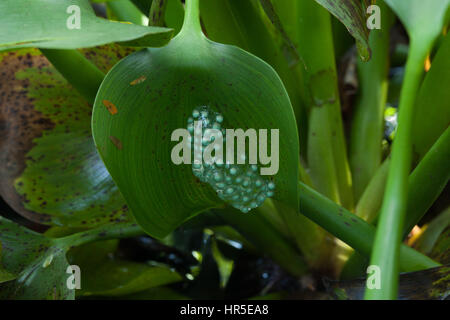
{"points": [[191, 72], [52, 172], [351, 14], [45, 24]]}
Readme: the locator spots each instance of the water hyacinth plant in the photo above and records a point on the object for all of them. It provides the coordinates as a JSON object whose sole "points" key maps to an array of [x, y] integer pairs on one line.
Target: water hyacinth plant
{"points": [[198, 149]]}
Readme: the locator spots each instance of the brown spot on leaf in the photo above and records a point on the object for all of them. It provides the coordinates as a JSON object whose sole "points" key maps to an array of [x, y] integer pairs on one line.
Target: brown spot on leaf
{"points": [[138, 80], [110, 106], [116, 142], [20, 125]]}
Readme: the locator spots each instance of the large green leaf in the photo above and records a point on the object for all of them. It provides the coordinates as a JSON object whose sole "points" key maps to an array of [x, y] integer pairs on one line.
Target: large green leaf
{"points": [[52, 173], [40, 265], [43, 24], [422, 19], [431, 119], [106, 274], [38, 262], [153, 92], [432, 114]]}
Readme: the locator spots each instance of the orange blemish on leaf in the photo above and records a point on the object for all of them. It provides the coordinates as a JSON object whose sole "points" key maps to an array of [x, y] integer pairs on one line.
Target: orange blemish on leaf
{"points": [[138, 80], [110, 106], [116, 142], [427, 64]]}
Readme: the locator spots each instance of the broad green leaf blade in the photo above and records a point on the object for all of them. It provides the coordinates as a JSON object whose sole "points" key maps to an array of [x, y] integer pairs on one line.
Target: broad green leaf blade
{"points": [[422, 19], [5, 275], [351, 14], [427, 181], [105, 274], [53, 24], [432, 114], [39, 263], [154, 92], [42, 268], [429, 125], [53, 174]]}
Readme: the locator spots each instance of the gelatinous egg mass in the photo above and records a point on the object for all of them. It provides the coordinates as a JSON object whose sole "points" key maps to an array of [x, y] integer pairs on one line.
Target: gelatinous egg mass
{"points": [[239, 185]]}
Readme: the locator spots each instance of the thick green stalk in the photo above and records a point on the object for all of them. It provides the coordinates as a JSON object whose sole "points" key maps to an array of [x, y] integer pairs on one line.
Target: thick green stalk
{"points": [[156, 15], [82, 74], [191, 23], [390, 226], [326, 154], [368, 121], [353, 230], [125, 10], [105, 232], [309, 238]]}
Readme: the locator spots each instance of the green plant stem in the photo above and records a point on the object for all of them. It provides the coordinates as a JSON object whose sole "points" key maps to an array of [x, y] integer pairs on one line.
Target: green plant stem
{"points": [[425, 184], [390, 227], [326, 154], [156, 15], [191, 23], [368, 121], [125, 10], [82, 74], [353, 230], [105, 232], [309, 238]]}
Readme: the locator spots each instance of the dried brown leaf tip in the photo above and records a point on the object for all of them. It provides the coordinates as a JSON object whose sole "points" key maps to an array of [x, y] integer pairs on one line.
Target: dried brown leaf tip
{"points": [[110, 106], [116, 142], [138, 80]]}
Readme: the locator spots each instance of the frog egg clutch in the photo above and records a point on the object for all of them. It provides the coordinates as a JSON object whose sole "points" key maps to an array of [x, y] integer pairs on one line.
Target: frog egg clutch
{"points": [[239, 185]]}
